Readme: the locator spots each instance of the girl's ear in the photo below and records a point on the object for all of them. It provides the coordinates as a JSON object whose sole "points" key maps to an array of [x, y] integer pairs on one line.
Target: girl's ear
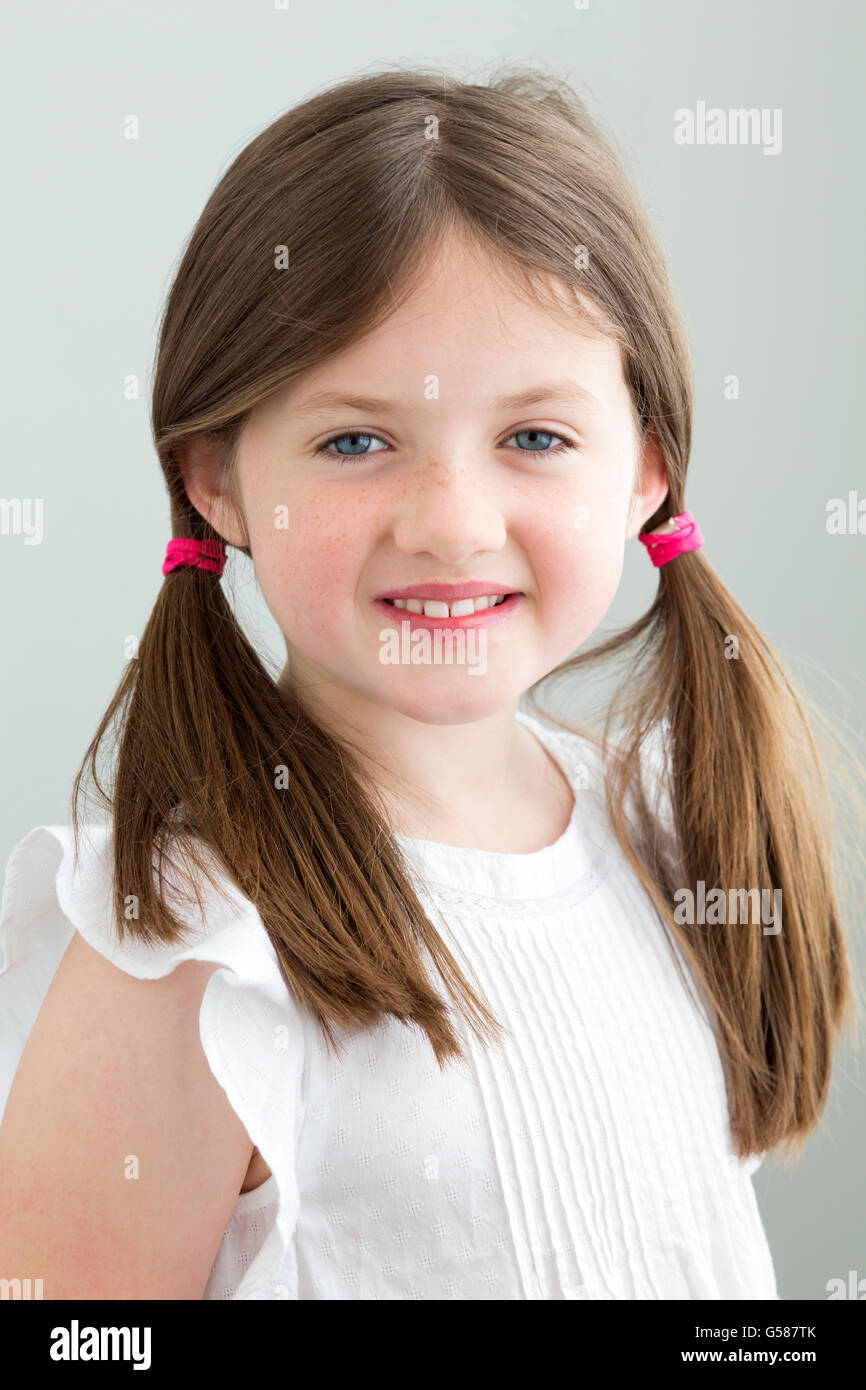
{"points": [[201, 465], [652, 486]]}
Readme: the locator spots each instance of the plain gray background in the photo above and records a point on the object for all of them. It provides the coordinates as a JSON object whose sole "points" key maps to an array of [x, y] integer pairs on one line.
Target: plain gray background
{"points": [[765, 255]]}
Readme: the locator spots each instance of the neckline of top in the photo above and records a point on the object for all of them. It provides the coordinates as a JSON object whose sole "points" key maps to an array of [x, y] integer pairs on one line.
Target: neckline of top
{"points": [[543, 873]]}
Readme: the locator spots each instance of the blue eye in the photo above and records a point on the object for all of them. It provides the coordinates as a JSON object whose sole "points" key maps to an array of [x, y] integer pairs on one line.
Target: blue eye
{"points": [[356, 438], [535, 435], [545, 449]]}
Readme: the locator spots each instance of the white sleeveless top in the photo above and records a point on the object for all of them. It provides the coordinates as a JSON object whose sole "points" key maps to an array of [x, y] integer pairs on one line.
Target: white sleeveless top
{"points": [[586, 1156]]}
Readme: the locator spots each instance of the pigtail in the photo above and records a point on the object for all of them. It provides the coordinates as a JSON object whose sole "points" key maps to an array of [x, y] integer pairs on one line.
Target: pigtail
{"points": [[215, 761], [748, 807]]}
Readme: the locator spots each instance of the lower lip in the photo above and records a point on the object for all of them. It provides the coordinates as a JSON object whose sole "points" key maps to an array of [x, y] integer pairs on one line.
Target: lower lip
{"points": [[488, 617]]}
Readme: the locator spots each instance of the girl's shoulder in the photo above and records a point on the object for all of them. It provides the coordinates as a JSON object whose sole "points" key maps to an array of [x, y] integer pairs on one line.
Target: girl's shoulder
{"points": [[45, 883], [648, 807], [586, 762]]}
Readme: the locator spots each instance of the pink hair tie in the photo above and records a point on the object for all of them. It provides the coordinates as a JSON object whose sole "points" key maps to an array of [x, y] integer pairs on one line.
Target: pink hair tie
{"points": [[685, 536], [203, 555]]}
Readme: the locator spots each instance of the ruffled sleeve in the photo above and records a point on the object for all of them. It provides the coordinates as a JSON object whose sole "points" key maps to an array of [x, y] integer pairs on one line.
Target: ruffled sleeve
{"points": [[251, 1027]]}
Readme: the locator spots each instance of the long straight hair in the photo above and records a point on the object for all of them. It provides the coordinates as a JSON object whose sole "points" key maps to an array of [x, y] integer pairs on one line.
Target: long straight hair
{"points": [[314, 235]]}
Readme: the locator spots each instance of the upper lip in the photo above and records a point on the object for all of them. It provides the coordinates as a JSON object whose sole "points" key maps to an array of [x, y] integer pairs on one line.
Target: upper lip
{"points": [[471, 588]]}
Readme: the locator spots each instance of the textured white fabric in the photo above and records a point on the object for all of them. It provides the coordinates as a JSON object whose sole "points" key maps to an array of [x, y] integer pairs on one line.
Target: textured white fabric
{"points": [[586, 1157]]}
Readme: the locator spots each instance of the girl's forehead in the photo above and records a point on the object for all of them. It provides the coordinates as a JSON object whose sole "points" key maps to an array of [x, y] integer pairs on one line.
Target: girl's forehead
{"points": [[471, 316], [490, 341]]}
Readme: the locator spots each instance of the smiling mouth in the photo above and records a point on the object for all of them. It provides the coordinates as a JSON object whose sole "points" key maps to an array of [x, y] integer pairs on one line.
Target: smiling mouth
{"points": [[456, 608], [460, 613]]}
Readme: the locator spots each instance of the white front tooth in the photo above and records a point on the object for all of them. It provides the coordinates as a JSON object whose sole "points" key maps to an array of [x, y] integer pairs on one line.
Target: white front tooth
{"points": [[399, 603], [415, 605], [462, 606], [434, 609]]}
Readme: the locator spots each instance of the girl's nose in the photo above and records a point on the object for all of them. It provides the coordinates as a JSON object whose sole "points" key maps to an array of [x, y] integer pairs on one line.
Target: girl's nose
{"points": [[451, 512]]}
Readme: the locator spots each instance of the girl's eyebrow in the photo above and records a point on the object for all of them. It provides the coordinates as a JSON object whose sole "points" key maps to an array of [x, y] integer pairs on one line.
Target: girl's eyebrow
{"points": [[562, 390]]}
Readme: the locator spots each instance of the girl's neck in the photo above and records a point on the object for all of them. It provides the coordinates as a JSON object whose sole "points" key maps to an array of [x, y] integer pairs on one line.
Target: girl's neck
{"points": [[534, 814]]}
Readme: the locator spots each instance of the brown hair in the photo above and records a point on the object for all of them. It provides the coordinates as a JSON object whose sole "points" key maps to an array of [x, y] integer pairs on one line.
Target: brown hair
{"points": [[519, 166]]}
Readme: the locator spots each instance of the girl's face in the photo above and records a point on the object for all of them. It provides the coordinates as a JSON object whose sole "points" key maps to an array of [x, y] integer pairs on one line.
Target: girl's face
{"points": [[500, 451]]}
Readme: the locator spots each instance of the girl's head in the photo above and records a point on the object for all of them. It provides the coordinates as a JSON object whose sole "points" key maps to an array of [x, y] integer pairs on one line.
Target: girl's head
{"points": [[439, 247], [441, 250]]}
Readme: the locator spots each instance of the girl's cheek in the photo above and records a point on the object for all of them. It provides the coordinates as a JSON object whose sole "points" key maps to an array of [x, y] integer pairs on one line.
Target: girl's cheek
{"points": [[309, 568], [577, 567]]}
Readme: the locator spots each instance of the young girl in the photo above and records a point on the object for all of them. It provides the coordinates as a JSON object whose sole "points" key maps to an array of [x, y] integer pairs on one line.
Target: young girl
{"points": [[375, 985]]}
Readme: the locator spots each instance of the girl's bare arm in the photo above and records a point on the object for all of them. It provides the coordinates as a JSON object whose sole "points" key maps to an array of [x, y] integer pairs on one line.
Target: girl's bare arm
{"points": [[120, 1155]]}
